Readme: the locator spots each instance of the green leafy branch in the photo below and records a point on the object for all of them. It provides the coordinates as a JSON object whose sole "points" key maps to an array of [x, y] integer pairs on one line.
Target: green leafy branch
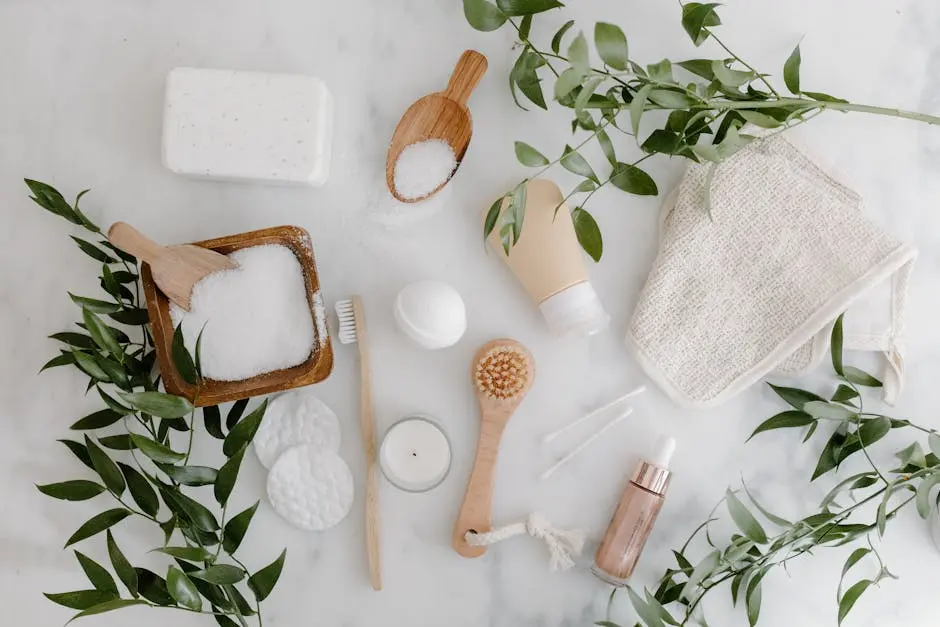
{"points": [[875, 496], [704, 105], [144, 467]]}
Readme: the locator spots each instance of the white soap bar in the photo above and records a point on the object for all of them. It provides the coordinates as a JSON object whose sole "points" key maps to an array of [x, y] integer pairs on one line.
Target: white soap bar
{"points": [[247, 126]]}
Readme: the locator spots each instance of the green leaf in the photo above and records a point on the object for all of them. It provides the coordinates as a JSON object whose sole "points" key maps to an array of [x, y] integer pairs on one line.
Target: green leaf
{"points": [[566, 82], [827, 459], [524, 76], [153, 587], [189, 509], [65, 359], [632, 179], [263, 581], [815, 95], [79, 451], [637, 107], [860, 377], [90, 366], [189, 553], [228, 473], [647, 614], [709, 563], [663, 141], [660, 72], [882, 516], [697, 17], [587, 91], [589, 234], [873, 429], [156, 451], [526, 7], [75, 490], [120, 442], [784, 420], [113, 405], [933, 441], [728, 77], [483, 15], [105, 467], [574, 162], [98, 523], [243, 432], [77, 340], [51, 200], [219, 574], [98, 420], [517, 210], [922, 498], [182, 589], [190, 475], [834, 493], [528, 156], [140, 489], [777, 520], [744, 519], [578, 55], [835, 345], [828, 411], [854, 558], [753, 598], [912, 455], [524, 27], [699, 67], [80, 599], [132, 317], [760, 119], [670, 99], [611, 45], [586, 185], [158, 403], [95, 305], [99, 577], [844, 394], [122, 567], [607, 146], [102, 334], [182, 360], [791, 71], [851, 596], [559, 35], [795, 397], [236, 528], [108, 606], [492, 217], [235, 413], [212, 419]]}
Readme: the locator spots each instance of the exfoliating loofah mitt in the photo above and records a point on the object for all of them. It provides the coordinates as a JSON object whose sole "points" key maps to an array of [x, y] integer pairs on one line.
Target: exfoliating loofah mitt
{"points": [[757, 285]]}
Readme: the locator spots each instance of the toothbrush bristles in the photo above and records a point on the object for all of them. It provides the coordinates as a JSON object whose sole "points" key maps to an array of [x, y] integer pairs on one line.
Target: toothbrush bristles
{"points": [[347, 322]]}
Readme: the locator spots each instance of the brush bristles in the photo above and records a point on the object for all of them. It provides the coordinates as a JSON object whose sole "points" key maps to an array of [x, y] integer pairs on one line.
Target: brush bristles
{"points": [[502, 373], [347, 322]]}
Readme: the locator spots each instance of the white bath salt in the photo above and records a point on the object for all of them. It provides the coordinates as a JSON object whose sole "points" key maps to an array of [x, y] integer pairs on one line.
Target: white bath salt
{"points": [[256, 317], [422, 167]]}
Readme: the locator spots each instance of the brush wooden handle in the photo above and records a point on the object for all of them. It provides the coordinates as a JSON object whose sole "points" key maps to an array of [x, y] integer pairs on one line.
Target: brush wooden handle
{"points": [[133, 242], [469, 70], [476, 511], [367, 420]]}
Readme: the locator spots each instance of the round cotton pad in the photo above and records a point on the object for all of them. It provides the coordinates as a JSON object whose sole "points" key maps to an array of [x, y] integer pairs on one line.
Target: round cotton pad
{"points": [[310, 487], [293, 419]]}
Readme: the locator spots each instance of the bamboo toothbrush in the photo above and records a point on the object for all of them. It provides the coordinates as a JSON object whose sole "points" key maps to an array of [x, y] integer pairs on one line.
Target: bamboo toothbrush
{"points": [[352, 329]]}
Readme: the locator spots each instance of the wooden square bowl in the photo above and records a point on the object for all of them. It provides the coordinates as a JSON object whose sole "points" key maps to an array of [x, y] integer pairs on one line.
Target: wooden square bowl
{"points": [[317, 367]]}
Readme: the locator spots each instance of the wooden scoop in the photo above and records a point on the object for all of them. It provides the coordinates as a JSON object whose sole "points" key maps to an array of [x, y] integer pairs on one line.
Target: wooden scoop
{"points": [[176, 269], [441, 115], [503, 373]]}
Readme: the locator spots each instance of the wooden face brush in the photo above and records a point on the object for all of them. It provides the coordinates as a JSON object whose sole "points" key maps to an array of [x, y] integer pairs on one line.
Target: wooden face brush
{"points": [[503, 372]]}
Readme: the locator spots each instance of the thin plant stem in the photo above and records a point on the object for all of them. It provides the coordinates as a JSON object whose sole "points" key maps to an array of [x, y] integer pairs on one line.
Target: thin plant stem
{"points": [[526, 42], [744, 63]]}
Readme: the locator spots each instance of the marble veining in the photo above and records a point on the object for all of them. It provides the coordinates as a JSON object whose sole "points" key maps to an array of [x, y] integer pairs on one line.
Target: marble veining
{"points": [[80, 106]]}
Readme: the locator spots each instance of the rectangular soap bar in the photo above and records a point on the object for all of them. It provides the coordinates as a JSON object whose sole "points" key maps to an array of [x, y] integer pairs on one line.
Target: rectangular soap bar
{"points": [[247, 126]]}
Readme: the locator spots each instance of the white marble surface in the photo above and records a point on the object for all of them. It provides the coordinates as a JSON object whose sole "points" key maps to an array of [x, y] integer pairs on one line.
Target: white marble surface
{"points": [[80, 107]]}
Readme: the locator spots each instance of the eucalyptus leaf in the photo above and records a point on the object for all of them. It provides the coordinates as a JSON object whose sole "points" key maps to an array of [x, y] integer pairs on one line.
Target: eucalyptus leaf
{"points": [[784, 420], [219, 574], [578, 55], [182, 360], [753, 599], [572, 161], [709, 563], [190, 475], [660, 72], [153, 587], [97, 420], [105, 467], [791, 71], [607, 146], [235, 413], [120, 442], [189, 553], [560, 34], [141, 490], [79, 451], [759, 119], [98, 523], [135, 316], [243, 432], [156, 451], [80, 599], [854, 558], [64, 359], [78, 340], [566, 82], [122, 567], [108, 606], [236, 528], [647, 614], [588, 233], [860, 377], [182, 589], [483, 15], [848, 600], [611, 45], [158, 404], [744, 519], [828, 411], [228, 473], [637, 107], [835, 344], [492, 217], [697, 17], [844, 394], [102, 335], [95, 305], [632, 179], [730, 78], [922, 499], [75, 490], [528, 156], [189, 509], [526, 7], [795, 397], [263, 581], [97, 574]]}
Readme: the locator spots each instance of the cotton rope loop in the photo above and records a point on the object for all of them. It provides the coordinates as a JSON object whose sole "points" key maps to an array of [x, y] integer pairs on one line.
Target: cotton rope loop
{"points": [[562, 544]]}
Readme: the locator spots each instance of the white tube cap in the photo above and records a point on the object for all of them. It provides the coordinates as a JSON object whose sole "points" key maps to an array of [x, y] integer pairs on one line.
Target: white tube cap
{"points": [[665, 447], [575, 312]]}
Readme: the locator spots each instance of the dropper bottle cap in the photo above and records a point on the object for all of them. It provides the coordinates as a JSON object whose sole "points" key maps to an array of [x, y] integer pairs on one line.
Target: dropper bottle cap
{"points": [[654, 474]]}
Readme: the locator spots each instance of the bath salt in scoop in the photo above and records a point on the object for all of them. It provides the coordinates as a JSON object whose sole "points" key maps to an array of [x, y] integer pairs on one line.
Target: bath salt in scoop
{"points": [[176, 269], [434, 135]]}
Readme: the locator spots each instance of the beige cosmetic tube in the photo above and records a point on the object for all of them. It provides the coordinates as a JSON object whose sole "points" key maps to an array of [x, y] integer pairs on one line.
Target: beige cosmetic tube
{"points": [[549, 263]]}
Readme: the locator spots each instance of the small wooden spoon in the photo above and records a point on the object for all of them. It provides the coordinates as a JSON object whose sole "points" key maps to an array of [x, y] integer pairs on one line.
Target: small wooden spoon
{"points": [[503, 373], [176, 269], [441, 115]]}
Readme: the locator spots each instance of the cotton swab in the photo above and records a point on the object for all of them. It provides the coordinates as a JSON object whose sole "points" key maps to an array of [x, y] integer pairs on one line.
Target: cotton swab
{"points": [[567, 458], [571, 425]]}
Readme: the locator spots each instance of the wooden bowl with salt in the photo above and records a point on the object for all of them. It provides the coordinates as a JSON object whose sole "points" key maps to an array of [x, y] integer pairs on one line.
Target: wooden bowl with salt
{"points": [[318, 365]]}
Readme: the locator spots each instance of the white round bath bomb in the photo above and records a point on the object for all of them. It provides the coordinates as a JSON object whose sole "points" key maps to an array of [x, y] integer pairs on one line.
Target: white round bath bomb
{"points": [[310, 487], [431, 313], [293, 419]]}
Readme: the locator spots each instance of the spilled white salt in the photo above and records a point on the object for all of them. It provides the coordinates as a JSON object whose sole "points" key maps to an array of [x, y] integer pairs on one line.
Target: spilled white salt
{"points": [[422, 167], [256, 317]]}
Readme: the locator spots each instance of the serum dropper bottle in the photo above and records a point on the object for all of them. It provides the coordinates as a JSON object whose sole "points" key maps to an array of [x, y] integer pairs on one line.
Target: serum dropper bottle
{"points": [[635, 516]]}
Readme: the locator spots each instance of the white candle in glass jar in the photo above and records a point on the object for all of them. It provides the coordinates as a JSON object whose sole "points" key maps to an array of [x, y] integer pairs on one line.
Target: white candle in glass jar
{"points": [[415, 454]]}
